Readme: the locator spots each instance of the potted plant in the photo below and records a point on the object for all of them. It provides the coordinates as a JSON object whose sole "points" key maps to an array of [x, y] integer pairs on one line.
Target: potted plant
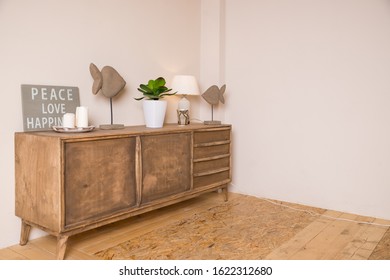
{"points": [[154, 107]]}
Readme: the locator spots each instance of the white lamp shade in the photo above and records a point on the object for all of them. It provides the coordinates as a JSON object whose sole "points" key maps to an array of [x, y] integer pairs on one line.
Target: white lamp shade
{"points": [[185, 85]]}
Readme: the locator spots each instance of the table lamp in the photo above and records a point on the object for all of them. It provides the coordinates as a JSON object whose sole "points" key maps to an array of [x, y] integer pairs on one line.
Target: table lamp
{"points": [[184, 85]]}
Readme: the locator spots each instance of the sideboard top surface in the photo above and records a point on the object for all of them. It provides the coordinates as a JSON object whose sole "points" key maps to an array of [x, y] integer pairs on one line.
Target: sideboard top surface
{"points": [[128, 130]]}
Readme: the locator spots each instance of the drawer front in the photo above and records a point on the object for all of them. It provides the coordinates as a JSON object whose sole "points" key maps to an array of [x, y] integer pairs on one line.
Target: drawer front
{"points": [[206, 165], [211, 151], [211, 158], [211, 136], [212, 179], [99, 178]]}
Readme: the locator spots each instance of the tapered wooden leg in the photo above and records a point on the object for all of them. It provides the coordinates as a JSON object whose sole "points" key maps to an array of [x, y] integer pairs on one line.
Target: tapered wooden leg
{"points": [[24, 233], [62, 241], [225, 193]]}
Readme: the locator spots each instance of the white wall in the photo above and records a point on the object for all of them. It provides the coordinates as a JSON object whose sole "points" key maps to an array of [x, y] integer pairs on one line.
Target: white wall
{"points": [[212, 56], [53, 42], [309, 99]]}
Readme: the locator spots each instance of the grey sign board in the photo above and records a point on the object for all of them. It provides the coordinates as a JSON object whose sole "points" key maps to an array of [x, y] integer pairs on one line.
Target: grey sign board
{"points": [[44, 106]]}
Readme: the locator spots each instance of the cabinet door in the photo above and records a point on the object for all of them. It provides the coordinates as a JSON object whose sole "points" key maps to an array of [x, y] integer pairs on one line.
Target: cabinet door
{"points": [[99, 178], [166, 165]]}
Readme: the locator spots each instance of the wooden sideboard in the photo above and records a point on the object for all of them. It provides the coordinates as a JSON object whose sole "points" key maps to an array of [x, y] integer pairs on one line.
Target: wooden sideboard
{"points": [[67, 183]]}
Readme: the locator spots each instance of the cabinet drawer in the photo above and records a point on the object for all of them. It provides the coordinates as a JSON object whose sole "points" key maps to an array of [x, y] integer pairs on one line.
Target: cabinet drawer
{"points": [[99, 178], [211, 151], [211, 136], [211, 164], [216, 178]]}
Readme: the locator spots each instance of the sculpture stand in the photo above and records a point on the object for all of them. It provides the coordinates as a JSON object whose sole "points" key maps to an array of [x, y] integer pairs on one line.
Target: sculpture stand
{"points": [[111, 126], [212, 122]]}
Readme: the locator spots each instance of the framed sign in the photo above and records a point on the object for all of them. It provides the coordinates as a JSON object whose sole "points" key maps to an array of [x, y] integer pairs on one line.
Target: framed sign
{"points": [[44, 106]]}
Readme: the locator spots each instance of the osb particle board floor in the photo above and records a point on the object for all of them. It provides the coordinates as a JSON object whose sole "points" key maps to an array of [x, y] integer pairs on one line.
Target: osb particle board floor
{"points": [[207, 228]]}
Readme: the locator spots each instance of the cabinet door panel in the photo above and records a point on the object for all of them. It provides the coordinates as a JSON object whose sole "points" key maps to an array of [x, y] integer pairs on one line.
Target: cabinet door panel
{"points": [[99, 178], [166, 165]]}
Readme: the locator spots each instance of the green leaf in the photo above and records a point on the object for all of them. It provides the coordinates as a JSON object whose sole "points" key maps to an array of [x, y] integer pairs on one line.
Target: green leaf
{"points": [[151, 85], [160, 82], [165, 94], [152, 96], [145, 88], [161, 89], [141, 90]]}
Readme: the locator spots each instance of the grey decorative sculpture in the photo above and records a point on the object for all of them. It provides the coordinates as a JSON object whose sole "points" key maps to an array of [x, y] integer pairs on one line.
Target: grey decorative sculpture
{"points": [[109, 83], [213, 95]]}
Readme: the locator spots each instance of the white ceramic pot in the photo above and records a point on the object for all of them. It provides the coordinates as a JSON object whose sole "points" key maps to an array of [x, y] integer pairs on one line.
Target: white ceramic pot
{"points": [[154, 112]]}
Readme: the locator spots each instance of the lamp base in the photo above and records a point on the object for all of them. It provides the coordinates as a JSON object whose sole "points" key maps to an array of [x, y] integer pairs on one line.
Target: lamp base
{"points": [[212, 122], [112, 126], [184, 104], [183, 117]]}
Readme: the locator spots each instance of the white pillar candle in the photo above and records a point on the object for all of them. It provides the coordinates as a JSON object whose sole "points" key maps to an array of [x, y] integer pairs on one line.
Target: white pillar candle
{"points": [[82, 116], [68, 120]]}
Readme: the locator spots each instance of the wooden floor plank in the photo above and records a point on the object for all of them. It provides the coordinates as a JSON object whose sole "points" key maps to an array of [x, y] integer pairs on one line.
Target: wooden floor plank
{"points": [[350, 232], [329, 241], [8, 254], [353, 244], [288, 249], [74, 254], [32, 252], [371, 239]]}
